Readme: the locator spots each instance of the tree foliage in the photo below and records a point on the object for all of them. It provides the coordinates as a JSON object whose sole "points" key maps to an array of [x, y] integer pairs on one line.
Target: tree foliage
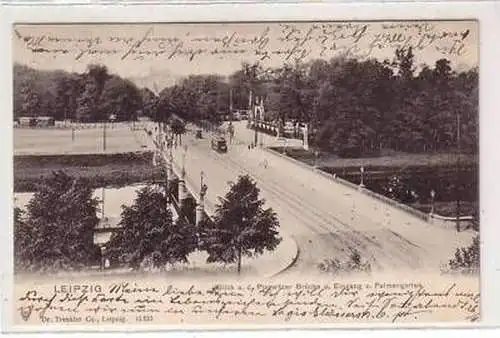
{"points": [[354, 264], [56, 232], [241, 227], [88, 97], [178, 128], [466, 260], [195, 98], [148, 233], [354, 107]]}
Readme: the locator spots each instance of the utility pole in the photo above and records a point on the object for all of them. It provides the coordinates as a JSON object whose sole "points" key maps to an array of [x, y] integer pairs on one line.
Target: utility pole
{"points": [[104, 150], [231, 101], [104, 136], [252, 111], [457, 188], [102, 208]]}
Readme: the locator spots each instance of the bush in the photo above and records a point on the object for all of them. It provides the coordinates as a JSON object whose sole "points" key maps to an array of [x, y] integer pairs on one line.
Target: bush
{"points": [[353, 265], [466, 260]]}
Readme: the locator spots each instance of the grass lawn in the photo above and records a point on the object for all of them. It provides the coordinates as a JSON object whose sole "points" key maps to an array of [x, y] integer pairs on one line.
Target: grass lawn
{"points": [[448, 209], [84, 140], [101, 170], [394, 161]]}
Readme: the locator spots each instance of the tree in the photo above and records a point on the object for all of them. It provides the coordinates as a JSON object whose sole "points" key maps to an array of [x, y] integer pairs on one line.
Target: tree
{"points": [[178, 128], [29, 101], [67, 89], [148, 233], [149, 103], [121, 98], [89, 101], [21, 239], [58, 230], [241, 227], [404, 63], [467, 260], [86, 110], [99, 75]]}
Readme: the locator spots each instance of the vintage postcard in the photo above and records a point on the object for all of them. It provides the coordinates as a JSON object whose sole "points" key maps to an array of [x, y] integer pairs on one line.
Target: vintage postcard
{"points": [[284, 174]]}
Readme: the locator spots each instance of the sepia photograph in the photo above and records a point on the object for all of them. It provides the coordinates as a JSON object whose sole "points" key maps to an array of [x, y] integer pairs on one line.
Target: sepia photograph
{"points": [[246, 173]]}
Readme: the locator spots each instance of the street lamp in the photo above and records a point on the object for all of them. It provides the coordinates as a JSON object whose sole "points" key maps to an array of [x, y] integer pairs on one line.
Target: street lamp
{"points": [[433, 195], [103, 257], [362, 172], [201, 203], [183, 171], [457, 187]]}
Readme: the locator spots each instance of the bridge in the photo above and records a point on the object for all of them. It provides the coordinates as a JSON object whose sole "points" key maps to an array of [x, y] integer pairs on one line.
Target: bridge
{"points": [[326, 218]]}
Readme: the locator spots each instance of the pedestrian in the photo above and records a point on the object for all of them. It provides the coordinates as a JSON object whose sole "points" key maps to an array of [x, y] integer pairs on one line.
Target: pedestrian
{"points": [[248, 147]]}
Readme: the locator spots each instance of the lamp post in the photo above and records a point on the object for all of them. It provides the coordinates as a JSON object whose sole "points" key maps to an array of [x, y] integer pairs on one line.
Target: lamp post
{"points": [[103, 257], [200, 208], [316, 154], [104, 136], [170, 162], [102, 205], [362, 172], [182, 182], [433, 195], [305, 131], [183, 169], [457, 187]]}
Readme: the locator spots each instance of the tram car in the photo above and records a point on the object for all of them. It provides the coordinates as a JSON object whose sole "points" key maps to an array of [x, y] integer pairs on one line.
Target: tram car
{"points": [[219, 144]]}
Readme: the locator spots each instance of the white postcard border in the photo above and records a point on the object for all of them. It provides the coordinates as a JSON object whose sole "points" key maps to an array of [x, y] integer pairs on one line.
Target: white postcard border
{"points": [[488, 15]]}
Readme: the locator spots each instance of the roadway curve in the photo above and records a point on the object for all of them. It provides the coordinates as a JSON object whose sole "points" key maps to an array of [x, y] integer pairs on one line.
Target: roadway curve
{"points": [[326, 219]]}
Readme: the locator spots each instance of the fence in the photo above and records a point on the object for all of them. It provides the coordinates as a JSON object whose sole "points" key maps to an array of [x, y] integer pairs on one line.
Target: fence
{"points": [[81, 125], [465, 221]]}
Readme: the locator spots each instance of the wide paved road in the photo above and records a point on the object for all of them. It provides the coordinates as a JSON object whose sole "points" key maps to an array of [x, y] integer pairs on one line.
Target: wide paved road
{"points": [[326, 219]]}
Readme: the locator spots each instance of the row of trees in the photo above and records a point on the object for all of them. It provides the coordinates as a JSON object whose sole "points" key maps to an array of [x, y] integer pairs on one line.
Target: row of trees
{"points": [[365, 105], [89, 97], [56, 231]]}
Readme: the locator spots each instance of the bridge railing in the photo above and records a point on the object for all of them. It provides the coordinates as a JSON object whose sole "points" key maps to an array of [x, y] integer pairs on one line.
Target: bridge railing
{"points": [[191, 186], [413, 212]]}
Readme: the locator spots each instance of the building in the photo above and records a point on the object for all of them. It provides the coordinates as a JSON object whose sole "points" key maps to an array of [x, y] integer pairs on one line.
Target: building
{"points": [[45, 121], [27, 121], [40, 121]]}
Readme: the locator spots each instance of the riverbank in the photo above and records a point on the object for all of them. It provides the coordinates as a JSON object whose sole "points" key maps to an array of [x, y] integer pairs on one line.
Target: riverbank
{"points": [[101, 170], [396, 160], [417, 175]]}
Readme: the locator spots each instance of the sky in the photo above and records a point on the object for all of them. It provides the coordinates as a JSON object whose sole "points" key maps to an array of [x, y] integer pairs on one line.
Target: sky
{"points": [[169, 51]]}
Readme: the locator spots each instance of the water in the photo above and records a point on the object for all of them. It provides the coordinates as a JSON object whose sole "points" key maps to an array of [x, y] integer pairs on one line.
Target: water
{"points": [[444, 182], [114, 199]]}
